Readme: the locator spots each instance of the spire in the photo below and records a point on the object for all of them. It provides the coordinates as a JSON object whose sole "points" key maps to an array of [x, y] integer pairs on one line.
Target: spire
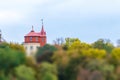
{"points": [[42, 30], [32, 29], [42, 26], [42, 21]]}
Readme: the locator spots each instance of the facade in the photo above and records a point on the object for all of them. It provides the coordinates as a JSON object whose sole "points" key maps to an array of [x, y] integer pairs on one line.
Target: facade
{"points": [[33, 40]]}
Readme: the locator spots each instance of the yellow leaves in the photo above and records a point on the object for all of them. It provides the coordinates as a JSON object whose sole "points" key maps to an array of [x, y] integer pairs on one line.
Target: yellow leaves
{"points": [[116, 53], [79, 45], [90, 53], [75, 45], [16, 46], [78, 49], [95, 53]]}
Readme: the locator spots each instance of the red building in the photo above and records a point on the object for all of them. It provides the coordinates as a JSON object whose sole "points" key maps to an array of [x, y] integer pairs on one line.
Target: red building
{"points": [[33, 40], [34, 37]]}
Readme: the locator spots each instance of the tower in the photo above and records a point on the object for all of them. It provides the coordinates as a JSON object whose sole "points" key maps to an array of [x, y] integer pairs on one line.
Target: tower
{"points": [[33, 40]]}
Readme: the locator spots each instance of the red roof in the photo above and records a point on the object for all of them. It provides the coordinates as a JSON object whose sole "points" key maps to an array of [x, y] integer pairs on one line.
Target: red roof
{"points": [[32, 33]]}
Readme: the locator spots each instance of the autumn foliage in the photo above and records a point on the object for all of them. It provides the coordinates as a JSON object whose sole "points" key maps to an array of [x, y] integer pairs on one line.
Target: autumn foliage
{"points": [[71, 60]]}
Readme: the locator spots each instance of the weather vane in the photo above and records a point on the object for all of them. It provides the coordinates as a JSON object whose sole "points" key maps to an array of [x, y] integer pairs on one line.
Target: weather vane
{"points": [[32, 28], [42, 21]]}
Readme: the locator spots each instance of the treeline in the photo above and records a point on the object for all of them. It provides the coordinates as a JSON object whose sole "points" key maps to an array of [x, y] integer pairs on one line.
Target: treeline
{"points": [[69, 60]]}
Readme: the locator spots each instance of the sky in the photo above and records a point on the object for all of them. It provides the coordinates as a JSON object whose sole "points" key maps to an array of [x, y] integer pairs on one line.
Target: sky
{"points": [[88, 20]]}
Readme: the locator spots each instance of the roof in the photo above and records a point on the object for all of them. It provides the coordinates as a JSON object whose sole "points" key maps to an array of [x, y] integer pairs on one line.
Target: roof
{"points": [[32, 33], [36, 34]]}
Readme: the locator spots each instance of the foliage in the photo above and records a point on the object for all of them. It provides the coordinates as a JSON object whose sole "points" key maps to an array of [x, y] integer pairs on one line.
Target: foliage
{"points": [[116, 54], [103, 44], [115, 57], [14, 46], [45, 53], [73, 60], [24, 73], [68, 42], [10, 58], [47, 71], [17, 47], [79, 45]]}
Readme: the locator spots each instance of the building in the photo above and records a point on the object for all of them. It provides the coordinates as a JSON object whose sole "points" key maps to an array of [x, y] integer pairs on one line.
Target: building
{"points": [[33, 40]]}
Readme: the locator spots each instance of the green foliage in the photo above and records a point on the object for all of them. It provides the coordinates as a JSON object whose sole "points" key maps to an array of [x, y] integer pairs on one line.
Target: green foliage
{"points": [[45, 53], [74, 60], [14, 46], [49, 76], [68, 42], [72, 67], [3, 77], [47, 71], [24, 73], [46, 48], [103, 44], [4, 45], [17, 47], [10, 58]]}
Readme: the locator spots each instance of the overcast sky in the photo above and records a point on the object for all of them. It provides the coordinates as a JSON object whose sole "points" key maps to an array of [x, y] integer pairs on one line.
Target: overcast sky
{"points": [[87, 20]]}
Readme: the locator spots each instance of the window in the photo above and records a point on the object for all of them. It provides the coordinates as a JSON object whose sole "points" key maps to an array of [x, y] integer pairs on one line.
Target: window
{"points": [[31, 47], [42, 39], [37, 39], [30, 38]]}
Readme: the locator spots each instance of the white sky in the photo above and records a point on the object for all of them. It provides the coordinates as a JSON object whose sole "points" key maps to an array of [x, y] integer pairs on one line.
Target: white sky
{"points": [[88, 20]]}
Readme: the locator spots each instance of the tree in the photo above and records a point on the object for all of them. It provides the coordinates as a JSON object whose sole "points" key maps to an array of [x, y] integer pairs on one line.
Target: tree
{"points": [[10, 58], [115, 57], [61, 59], [45, 53], [116, 54], [58, 41], [23, 72], [14, 46], [17, 47], [47, 71], [68, 42], [103, 44]]}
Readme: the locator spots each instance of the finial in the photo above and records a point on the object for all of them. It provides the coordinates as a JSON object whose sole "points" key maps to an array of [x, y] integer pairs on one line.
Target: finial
{"points": [[32, 28], [42, 21]]}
